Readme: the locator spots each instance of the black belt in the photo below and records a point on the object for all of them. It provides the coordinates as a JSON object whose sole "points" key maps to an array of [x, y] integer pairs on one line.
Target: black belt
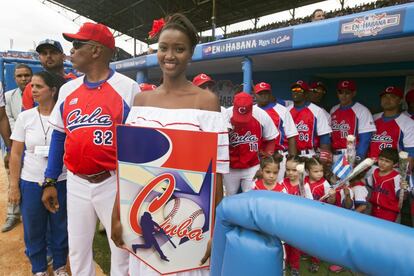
{"points": [[95, 178]]}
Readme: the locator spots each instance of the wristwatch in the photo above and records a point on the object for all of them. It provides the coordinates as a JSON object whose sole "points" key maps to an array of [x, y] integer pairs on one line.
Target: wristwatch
{"points": [[49, 182]]}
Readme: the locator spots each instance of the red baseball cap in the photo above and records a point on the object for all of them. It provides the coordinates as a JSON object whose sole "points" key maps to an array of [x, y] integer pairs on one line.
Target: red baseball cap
{"points": [[346, 84], [95, 32], [147, 86], [201, 79], [393, 90], [262, 86], [317, 84], [242, 108], [301, 84], [409, 97]]}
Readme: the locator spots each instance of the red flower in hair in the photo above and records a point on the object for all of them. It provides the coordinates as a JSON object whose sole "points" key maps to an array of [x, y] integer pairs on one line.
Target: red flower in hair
{"points": [[156, 27]]}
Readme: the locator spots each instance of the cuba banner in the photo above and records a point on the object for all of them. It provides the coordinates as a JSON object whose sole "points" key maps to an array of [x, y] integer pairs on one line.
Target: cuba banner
{"points": [[166, 184]]}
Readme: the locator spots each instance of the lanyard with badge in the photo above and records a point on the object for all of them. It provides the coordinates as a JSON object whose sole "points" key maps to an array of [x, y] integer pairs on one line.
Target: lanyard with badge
{"points": [[42, 151]]}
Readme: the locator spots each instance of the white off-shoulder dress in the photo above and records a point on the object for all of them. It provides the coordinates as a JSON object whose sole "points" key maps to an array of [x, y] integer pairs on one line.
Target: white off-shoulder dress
{"points": [[186, 119]]}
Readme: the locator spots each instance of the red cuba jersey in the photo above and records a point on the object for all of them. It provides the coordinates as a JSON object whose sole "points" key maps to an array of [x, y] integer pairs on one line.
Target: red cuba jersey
{"points": [[246, 140], [89, 115], [384, 190], [311, 122], [352, 120], [397, 133], [283, 121]]}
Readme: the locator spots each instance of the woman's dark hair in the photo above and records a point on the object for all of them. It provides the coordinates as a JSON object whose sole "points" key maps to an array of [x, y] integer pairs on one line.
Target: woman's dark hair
{"points": [[180, 22], [52, 80]]}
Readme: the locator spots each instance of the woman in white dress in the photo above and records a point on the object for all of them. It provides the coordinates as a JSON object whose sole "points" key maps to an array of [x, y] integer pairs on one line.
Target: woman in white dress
{"points": [[177, 104]]}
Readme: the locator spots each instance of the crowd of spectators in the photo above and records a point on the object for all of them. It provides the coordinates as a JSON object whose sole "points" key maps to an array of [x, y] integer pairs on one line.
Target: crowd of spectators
{"points": [[330, 14]]}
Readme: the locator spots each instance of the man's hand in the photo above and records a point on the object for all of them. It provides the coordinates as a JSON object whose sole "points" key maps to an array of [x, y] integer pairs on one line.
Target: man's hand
{"points": [[116, 233], [50, 200], [14, 196]]}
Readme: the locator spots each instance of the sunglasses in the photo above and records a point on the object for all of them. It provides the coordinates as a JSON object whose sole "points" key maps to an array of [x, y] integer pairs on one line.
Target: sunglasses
{"points": [[76, 44], [298, 90], [344, 92]]}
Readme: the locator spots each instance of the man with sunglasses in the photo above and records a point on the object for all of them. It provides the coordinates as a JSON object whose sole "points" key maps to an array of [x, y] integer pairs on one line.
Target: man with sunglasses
{"points": [[350, 118], [51, 58], [311, 122], [84, 120]]}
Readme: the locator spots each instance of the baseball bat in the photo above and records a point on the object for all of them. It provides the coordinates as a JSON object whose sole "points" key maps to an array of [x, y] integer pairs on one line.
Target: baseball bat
{"points": [[168, 237], [403, 168], [368, 162], [350, 149], [301, 170]]}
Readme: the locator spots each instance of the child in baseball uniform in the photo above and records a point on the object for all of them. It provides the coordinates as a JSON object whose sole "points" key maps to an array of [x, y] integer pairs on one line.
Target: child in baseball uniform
{"points": [[318, 186], [291, 186], [268, 174], [385, 184]]}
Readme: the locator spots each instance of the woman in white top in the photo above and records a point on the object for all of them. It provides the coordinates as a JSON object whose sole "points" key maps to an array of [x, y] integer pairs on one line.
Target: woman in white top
{"points": [[177, 104], [31, 136]]}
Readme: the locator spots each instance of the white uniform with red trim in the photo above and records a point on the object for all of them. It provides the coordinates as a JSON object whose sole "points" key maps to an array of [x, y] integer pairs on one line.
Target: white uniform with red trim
{"points": [[316, 189], [245, 143], [284, 123], [311, 123], [88, 115], [360, 194], [397, 133], [352, 120], [187, 119]]}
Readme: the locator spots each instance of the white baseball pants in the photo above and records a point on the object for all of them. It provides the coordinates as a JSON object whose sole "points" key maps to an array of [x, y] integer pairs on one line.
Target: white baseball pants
{"points": [[85, 203], [237, 178]]}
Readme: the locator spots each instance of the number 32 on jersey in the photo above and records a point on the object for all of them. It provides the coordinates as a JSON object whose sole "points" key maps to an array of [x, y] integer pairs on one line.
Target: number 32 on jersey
{"points": [[101, 137]]}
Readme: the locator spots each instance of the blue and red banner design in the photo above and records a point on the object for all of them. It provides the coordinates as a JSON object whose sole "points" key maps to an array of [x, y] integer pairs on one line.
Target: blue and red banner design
{"points": [[166, 183]]}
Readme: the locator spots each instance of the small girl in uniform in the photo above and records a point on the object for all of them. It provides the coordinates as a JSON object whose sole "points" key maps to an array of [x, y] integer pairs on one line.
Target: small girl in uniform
{"points": [[267, 174], [318, 186], [291, 185]]}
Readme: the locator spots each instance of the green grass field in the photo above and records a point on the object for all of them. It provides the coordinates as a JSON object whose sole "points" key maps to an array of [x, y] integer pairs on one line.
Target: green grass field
{"points": [[101, 252]]}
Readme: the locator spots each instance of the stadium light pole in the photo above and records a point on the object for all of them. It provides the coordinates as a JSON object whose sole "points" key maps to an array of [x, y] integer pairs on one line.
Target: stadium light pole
{"points": [[213, 20]]}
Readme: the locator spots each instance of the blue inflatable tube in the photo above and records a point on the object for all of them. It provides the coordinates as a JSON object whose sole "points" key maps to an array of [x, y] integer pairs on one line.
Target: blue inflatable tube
{"points": [[249, 227]]}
